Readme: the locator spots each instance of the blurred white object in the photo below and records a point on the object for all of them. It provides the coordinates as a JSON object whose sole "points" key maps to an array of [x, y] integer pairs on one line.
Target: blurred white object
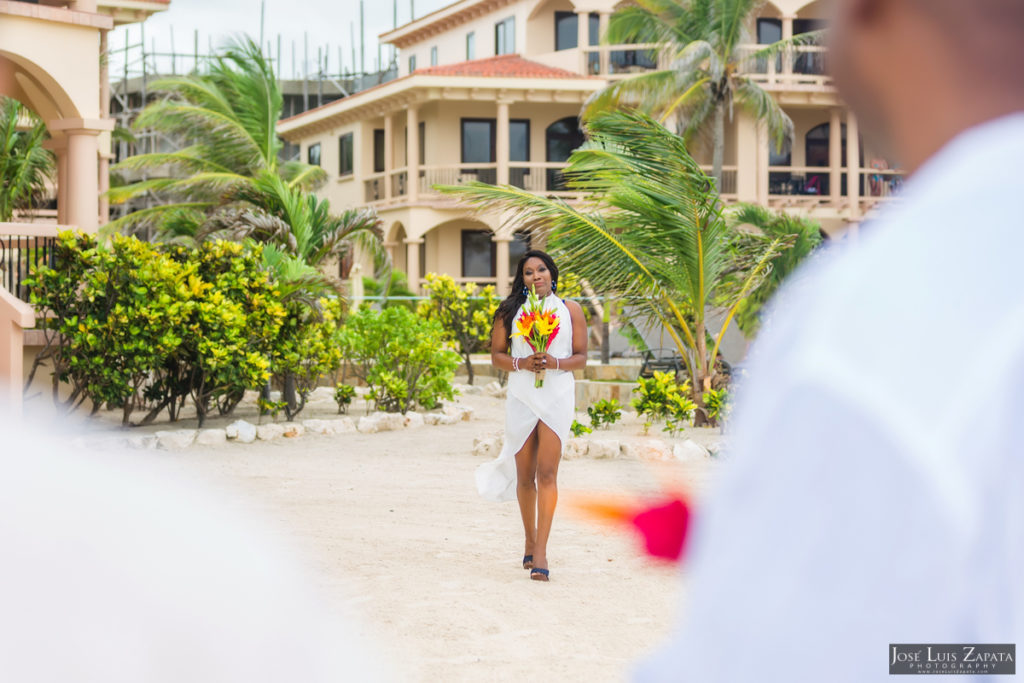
{"points": [[115, 570], [874, 493]]}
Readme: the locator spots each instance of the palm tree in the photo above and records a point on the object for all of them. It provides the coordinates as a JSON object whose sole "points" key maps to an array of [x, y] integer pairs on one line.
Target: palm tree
{"points": [[26, 169], [806, 236], [705, 79], [651, 233], [229, 116]]}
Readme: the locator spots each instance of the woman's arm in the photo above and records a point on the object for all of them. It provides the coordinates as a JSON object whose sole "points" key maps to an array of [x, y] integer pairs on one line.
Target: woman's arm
{"points": [[578, 359], [500, 357]]}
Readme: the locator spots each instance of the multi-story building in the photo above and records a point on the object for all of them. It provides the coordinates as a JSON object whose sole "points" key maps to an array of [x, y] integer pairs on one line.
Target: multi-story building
{"points": [[491, 90]]}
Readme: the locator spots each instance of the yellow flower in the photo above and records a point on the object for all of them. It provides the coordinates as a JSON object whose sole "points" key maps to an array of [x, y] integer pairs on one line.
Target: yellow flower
{"points": [[524, 326]]}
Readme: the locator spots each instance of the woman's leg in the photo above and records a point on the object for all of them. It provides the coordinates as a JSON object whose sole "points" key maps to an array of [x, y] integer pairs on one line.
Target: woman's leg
{"points": [[549, 453], [526, 489]]}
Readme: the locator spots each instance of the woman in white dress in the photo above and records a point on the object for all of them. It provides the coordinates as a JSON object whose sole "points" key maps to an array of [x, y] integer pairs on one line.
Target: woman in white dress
{"points": [[537, 419]]}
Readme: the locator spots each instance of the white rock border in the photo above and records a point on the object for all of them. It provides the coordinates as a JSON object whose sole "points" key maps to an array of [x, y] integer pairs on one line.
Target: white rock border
{"points": [[241, 431]]}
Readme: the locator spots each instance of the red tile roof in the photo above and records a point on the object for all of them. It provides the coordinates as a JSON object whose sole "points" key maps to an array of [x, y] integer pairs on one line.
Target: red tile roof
{"points": [[502, 66]]}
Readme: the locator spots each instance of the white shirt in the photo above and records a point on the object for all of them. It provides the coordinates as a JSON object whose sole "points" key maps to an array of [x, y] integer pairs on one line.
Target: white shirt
{"points": [[875, 488]]}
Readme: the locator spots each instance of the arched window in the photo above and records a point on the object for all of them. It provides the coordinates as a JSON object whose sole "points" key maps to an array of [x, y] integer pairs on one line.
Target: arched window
{"points": [[817, 145], [561, 138]]}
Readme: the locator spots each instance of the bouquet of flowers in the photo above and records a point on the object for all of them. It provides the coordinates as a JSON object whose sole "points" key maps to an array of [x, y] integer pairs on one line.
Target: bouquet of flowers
{"points": [[538, 327]]}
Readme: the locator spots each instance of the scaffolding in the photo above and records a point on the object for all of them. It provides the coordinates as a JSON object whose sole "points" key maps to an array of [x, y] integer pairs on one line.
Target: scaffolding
{"points": [[134, 66]]}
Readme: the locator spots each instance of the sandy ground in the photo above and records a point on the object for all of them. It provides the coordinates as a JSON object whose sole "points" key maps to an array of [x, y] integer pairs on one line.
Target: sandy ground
{"points": [[396, 535]]}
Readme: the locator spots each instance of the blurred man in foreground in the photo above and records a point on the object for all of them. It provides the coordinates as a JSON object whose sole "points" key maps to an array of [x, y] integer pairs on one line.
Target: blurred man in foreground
{"points": [[874, 494]]}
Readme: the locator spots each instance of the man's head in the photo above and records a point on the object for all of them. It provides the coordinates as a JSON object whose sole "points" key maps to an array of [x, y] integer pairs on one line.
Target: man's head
{"points": [[917, 72]]}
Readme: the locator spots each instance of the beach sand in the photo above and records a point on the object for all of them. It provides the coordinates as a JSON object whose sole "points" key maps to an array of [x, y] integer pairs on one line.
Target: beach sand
{"points": [[392, 528]]}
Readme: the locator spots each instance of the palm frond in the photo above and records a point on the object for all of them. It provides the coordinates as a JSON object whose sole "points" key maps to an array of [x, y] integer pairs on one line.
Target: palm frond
{"points": [[766, 109]]}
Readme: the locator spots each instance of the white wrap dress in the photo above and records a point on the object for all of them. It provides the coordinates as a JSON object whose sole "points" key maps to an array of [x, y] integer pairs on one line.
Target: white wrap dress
{"points": [[554, 404]]}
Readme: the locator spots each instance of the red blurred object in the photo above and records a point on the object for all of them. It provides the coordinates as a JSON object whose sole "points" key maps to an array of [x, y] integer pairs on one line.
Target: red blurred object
{"points": [[664, 528]]}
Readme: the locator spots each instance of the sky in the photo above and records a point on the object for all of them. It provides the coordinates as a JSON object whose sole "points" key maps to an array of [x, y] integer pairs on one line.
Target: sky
{"points": [[327, 23]]}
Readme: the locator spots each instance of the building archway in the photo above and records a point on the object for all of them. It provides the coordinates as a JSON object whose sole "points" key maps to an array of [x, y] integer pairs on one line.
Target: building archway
{"points": [[29, 83], [561, 139]]}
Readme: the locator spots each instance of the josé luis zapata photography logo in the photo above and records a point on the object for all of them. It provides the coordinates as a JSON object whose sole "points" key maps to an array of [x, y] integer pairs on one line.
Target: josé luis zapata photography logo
{"points": [[948, 658]]}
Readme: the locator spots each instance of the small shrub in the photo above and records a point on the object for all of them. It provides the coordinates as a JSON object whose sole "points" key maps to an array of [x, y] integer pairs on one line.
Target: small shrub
{"points": [[466, 321], [271, 408], [661, 399], [604, 413], [716, 401], [343, 395], [402, 358], [307, 349], [579, 429]]}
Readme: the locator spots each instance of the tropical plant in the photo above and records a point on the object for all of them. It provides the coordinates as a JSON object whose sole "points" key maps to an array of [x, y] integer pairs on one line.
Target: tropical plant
{"points": [[343, 395], [705, 78], [390, 288], [604, 413], [717, 402], [464, 312], [26, 168], [661, 398], [402, 358], [229, 182], [306, 350], [578, 429], [651, 233], [807, 237]]}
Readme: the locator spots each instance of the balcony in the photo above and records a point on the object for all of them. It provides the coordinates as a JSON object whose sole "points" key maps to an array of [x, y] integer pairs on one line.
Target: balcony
{"points": [[803, 67], [810, 187], [393, 188]]}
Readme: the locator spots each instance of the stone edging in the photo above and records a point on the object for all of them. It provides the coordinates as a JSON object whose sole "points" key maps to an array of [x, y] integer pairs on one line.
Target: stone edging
{"points": [[489, 445], [241, 431]]}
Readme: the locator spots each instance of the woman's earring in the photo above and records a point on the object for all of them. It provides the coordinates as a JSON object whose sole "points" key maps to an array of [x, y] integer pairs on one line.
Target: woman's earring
{"points": [[554, 287], [526, 292]]}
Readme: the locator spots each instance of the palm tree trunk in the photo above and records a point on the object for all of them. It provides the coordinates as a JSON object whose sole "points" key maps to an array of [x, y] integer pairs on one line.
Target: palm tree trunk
{"points": [[701, 376], [719, 146]]}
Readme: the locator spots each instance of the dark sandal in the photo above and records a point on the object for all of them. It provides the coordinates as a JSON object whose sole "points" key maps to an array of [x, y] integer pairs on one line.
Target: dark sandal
{"points": [[538, 574], [527, 561]]}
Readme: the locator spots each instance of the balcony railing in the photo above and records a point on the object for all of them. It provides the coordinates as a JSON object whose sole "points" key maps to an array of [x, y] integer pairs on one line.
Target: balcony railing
{"points": [[618, 61], [803, 67], [730, 175], [24, 247]]}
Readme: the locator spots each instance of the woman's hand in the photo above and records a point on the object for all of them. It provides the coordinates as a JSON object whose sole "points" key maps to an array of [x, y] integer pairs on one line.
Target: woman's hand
{"points": [[542, 361]]}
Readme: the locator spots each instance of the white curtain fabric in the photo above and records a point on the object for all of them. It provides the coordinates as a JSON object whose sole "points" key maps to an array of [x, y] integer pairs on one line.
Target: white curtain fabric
{"points": [[554, 404]]}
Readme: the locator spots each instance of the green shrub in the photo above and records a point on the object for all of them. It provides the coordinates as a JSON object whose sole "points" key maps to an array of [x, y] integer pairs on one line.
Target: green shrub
{"points": [[716, 401], [604, 413], [466, 321], [402, 358], [307, 349], [343, 395], [579, 429], [112, 315], [661, 398]]}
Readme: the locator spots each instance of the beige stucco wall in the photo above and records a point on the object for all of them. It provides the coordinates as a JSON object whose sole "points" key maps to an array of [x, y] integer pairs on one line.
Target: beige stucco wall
{"points": [[60, 64]]}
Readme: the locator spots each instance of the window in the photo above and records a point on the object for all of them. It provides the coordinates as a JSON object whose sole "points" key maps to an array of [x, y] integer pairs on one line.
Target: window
{"points": [[423, 144], [412, 63], [595, 28], [378, 150], [769, 31], [566, 30], [517, 248], [313, 154], [478, 253], [505, 36], [519, 140], [477, 141], [470, 45], [345, 154], [433, 56], [518, 150]]}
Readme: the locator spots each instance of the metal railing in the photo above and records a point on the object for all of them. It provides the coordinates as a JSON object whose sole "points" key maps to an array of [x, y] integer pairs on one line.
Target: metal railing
{"points": [[23, 248]]}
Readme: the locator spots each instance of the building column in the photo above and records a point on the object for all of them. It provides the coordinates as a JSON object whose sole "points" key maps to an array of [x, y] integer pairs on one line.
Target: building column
{"points": [[787, 33], [603, 19], [105, 139], [835, 156], [853, 165], [412, 154], [82, 173], [501, 271], [583, 38], [58, 145], [412, 263], [389, 137], [501, 143], [763, 159]]}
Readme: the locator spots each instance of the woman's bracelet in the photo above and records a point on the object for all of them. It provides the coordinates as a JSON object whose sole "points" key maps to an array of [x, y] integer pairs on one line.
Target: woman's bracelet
{"points": [[558, 366], [515, 364]]}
